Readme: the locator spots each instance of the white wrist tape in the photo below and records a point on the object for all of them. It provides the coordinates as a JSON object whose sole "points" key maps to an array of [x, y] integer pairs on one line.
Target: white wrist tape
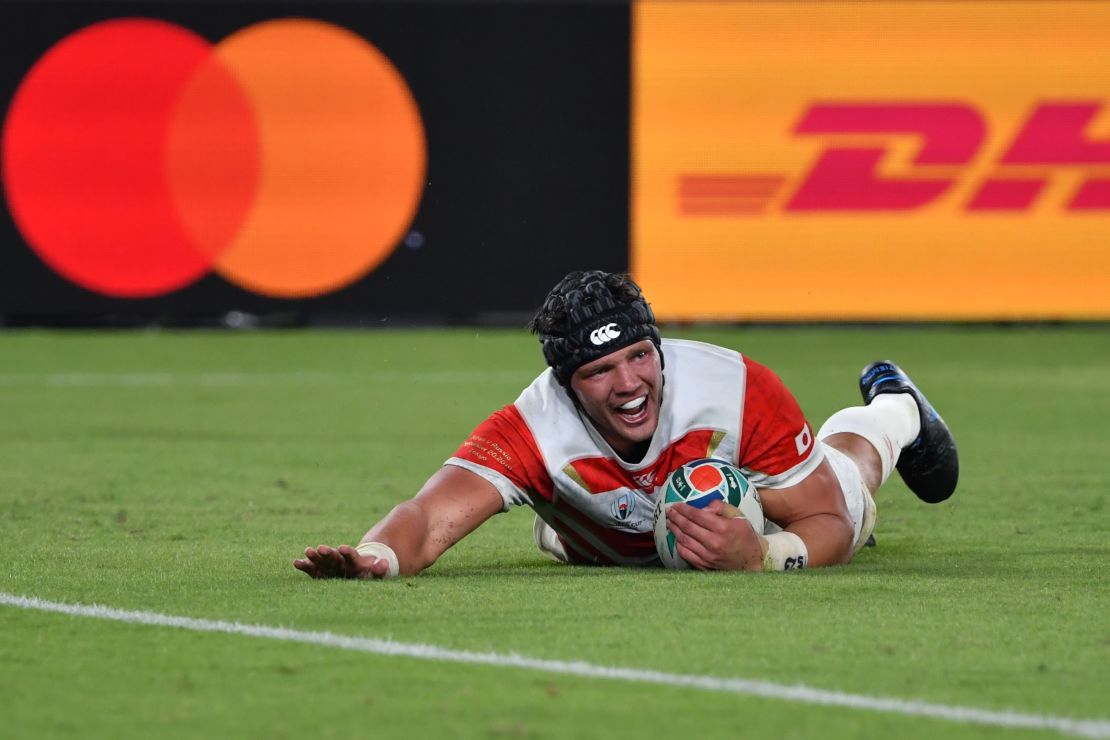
{"points": [[785, 551], [382, 552]]}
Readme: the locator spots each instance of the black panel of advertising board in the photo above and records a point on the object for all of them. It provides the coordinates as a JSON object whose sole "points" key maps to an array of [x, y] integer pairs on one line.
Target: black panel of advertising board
{"points": [[518, 169]]}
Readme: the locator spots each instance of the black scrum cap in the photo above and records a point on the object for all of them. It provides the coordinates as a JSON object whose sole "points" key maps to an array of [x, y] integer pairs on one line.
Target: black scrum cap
{"points": [[589, 315]]}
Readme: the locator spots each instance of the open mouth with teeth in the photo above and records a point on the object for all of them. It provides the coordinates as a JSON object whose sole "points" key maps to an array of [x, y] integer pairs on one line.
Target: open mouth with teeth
{"points": [[634, 411]]}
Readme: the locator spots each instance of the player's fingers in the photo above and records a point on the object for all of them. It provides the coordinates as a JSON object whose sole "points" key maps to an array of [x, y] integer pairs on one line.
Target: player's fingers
{"points": [[696, 547], [353, 564], [724, 510], [692, 557], [308, 568], [681, 518], [686, 531], [379, 568], [707, 518], [330, 555], [313, 557], [318, 554], [676, 516], [328, 562], [319, 562], [728, 511], [709, 544]]}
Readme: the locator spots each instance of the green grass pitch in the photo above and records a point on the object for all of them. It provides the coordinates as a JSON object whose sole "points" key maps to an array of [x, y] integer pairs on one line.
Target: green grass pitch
{"points": [[181, 472]]}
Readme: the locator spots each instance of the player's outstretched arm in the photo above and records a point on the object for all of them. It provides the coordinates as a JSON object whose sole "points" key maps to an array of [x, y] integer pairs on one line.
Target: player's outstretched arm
{"points": [[452, 504]]}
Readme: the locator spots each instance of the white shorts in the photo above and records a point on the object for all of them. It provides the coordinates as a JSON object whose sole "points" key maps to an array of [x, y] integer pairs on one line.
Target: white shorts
{"points": [[861, 507]]}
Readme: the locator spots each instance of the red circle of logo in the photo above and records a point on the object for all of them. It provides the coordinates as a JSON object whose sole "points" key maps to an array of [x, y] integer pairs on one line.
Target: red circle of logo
{"points": [[706, 478]]}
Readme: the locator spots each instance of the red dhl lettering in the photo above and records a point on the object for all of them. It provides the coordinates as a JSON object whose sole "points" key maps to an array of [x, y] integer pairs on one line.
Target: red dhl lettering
{"points": [[845, 177]]}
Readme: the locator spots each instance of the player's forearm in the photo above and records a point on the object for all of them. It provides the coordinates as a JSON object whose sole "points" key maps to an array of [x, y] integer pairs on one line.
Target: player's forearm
{"points": [[406, 531], [827, 537], [451, 504]]}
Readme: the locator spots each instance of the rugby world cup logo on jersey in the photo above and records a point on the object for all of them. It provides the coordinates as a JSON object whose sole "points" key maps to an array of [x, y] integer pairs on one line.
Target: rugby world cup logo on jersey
{"points": [[288, 158], [848, 173], [604, 334], [623, 506]]}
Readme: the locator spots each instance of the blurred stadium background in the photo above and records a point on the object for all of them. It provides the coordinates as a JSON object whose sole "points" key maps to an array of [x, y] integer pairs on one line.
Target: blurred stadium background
{"points": [[446, 162]]}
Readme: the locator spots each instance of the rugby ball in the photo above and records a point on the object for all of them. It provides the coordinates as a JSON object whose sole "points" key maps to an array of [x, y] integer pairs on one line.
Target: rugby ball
{"points": [[700, 483]]}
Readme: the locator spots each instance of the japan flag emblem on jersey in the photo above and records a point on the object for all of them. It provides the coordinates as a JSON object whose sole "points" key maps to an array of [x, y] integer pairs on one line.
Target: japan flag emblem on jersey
{"points": [[803, 440]]}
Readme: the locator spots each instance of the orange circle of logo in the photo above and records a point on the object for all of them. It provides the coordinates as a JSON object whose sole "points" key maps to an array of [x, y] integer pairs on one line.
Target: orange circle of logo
{"points": [[289, 158]]}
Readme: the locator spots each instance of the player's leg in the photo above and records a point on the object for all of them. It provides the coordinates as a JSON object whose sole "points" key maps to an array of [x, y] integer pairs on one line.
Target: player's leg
{"points": [[852, 471], [898, 428], [873, 436], [929, 463], [862, 444]]}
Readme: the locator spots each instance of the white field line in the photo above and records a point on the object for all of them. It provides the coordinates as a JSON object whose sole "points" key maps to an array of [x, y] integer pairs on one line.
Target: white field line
{"points": [[1092, 728]]}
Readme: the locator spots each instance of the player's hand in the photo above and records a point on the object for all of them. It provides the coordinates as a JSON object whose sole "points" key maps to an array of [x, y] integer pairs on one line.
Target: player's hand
{"points": [[340, 562], [711, 539]]}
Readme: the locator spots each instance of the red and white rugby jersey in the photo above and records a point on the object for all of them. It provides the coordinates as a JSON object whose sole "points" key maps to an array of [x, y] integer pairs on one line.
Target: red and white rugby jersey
{"points": [[541, 451]]}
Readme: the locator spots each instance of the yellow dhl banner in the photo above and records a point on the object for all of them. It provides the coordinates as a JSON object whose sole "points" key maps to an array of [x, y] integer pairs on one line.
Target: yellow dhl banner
{"points": [[811, 161]]}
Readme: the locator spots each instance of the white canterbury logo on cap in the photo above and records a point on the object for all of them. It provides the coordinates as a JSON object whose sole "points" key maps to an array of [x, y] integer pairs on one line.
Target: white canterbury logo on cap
{"points": [[605, 334]]}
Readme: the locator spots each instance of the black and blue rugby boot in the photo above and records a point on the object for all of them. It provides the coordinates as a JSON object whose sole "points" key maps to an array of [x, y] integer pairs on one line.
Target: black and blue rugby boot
{"points": [[930, 466]]}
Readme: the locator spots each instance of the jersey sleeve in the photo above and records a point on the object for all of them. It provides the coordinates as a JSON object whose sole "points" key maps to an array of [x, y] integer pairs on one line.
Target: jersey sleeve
{"points": [[503, 451], [777, 447]]}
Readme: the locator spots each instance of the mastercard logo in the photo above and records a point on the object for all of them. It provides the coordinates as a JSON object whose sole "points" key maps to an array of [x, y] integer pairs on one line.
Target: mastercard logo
{"points": [[138, 157]]}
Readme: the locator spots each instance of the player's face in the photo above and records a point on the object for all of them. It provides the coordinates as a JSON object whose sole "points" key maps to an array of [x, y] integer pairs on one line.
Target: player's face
{"points": [[621, 393]]}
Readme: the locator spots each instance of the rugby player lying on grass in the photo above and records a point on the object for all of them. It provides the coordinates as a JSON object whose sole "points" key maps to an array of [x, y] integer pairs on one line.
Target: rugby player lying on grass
{"points": [[590, 442]]}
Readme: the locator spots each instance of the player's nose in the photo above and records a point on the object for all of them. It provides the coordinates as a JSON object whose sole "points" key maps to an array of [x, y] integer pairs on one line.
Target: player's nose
{"points": [[625, 380]]}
